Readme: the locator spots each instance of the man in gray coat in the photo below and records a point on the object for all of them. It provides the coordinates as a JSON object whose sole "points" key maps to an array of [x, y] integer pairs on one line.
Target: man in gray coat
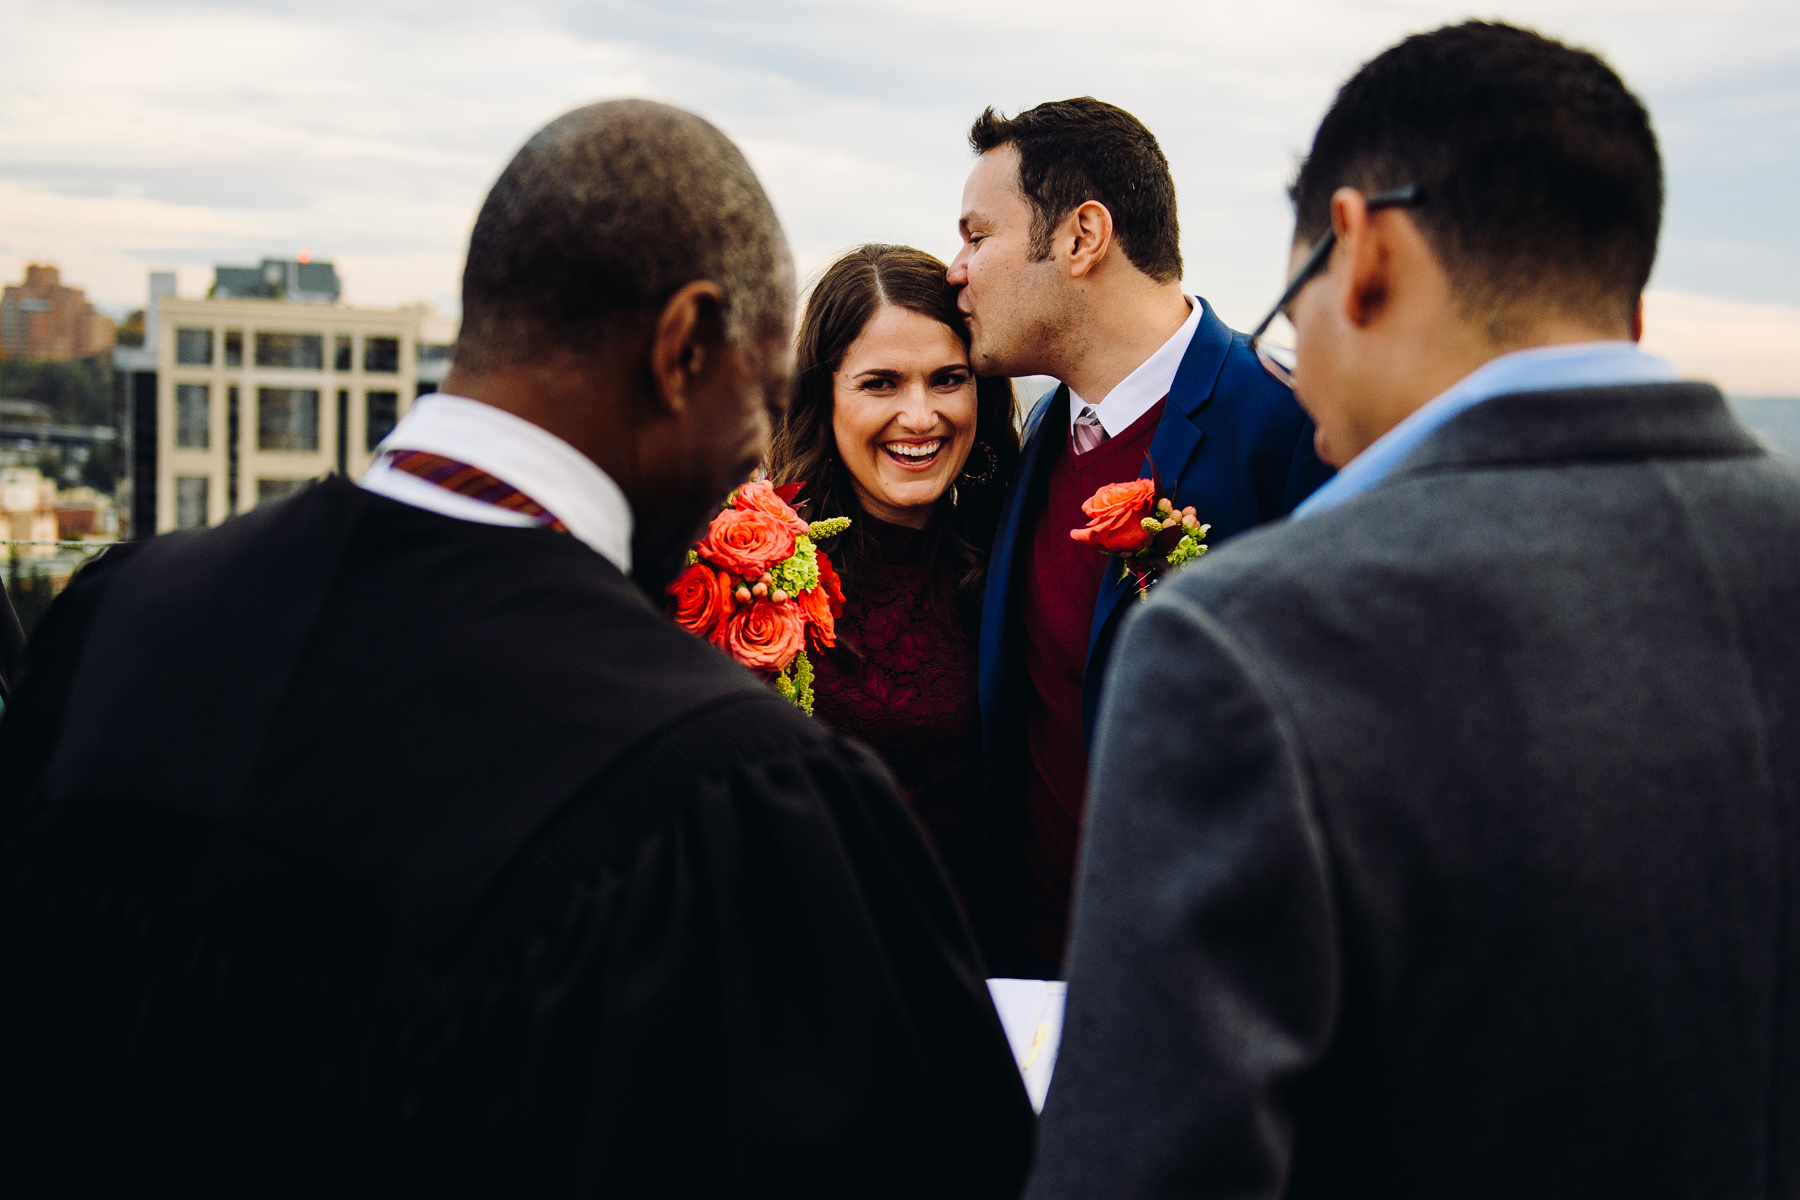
{"points": [[1445, 838]]}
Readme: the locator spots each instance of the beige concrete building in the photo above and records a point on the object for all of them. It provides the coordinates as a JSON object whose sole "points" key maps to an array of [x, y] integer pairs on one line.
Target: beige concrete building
{"points": [[256, 397]]}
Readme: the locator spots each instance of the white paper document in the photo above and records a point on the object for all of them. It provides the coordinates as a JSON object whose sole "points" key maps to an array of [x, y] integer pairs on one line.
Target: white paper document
{"points": [[1031, 1012]]}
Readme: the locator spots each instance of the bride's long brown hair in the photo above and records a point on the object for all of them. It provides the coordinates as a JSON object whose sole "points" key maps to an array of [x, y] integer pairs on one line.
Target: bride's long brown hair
{"points": [[960, 531]]}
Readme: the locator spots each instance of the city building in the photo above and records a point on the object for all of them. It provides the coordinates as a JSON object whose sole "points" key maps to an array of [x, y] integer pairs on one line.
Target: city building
{"points": [[141, 358], [43, 321], [31, 436], [85, 514], [256, 397], [437, 342], [300, 280], [49, 532], [28, 512], [236, 402]]}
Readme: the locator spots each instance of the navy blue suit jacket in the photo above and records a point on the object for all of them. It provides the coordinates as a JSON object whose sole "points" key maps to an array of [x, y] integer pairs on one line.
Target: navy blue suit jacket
{"points": [[1232, 442]]}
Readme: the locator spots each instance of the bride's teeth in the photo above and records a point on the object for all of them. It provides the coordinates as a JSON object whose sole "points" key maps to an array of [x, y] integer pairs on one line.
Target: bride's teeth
{"points": [[913, 451]]}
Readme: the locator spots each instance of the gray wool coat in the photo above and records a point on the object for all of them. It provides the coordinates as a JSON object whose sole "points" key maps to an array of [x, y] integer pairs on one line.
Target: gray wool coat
{"points": [[1447, 843]]}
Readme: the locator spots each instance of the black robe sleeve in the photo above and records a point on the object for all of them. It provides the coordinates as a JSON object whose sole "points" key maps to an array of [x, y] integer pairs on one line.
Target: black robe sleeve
{"points": [[732, 968], [773, 993], [34, 706], [12, 643]]}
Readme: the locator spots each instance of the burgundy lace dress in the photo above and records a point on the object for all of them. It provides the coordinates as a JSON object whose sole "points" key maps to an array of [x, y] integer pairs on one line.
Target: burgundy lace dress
{"points": [[912, 698]]}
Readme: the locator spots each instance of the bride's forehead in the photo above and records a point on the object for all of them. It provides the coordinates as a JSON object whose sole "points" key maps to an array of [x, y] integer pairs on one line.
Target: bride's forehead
{"points": [[899, 335]]}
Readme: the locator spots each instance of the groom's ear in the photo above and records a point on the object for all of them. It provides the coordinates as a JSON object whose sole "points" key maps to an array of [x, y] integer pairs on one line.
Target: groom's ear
{"points": [[1087, 234]]}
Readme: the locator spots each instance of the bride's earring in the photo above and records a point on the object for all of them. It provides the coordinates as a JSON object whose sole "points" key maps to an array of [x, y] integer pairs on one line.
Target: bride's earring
{"points": [[987, 471]]}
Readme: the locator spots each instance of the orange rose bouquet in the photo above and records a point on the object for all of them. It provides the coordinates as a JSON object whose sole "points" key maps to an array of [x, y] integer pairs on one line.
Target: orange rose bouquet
{"points": [[1147, 535], [758, 587]]}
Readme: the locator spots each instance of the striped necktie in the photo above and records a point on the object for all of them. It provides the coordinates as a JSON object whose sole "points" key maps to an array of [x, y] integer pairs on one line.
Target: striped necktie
{"points": [[472, 482], [1088, 431]]}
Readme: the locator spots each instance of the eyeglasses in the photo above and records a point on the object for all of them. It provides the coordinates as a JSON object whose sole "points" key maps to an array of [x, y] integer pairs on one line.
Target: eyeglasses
{"points": [[1278, 360]]}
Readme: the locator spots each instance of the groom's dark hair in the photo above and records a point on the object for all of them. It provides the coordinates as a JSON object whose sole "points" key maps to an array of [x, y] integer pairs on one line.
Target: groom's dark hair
{"points": [[1073, 151], [1540, 182]]}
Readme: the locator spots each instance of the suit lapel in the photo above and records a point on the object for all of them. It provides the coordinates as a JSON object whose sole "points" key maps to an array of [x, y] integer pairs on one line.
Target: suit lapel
{"points": [[1041, 430], [1178, 438]]}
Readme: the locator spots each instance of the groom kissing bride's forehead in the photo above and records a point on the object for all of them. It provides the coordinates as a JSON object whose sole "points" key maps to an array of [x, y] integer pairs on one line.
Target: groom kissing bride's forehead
{"points": [[1071, 267]]}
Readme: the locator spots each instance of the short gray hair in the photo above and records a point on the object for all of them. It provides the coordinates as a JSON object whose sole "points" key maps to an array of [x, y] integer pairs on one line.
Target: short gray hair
{"points": [[606, 212]]}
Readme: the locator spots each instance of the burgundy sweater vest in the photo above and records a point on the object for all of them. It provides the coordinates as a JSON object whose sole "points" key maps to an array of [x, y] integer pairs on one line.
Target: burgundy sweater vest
{"points": [[1059, 586]]}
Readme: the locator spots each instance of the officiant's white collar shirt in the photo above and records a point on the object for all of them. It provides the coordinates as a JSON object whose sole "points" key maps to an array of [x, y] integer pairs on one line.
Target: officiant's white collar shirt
{"points": [[1138, 392], [511, 449]]}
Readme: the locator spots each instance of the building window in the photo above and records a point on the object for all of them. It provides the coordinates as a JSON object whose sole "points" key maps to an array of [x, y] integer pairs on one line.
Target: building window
{"points": [[295, 351], [381, 354], [193, 347], [191, 493], [343, 354], [234, 347], [233, 428], [287, 418], [381, 412], [269, 491], [193, 416]]}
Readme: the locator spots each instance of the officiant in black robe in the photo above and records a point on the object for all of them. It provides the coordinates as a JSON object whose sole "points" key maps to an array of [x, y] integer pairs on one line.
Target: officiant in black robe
{"points": [[390, 841]]}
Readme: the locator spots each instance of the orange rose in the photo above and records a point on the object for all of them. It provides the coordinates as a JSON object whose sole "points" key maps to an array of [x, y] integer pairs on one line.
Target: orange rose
{"points": [[760, 497], [829, 584], [746, 541], [1115, 517], [766, 636], [816, 604], [702, 599]]}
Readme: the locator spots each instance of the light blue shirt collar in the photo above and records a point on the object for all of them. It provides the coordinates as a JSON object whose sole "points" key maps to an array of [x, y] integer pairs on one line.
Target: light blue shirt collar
{"points": [[1540, 369]]}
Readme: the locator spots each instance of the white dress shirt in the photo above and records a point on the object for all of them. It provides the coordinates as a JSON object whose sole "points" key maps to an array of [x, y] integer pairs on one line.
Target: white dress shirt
{"points": [[534, 460], [1138, 392]]}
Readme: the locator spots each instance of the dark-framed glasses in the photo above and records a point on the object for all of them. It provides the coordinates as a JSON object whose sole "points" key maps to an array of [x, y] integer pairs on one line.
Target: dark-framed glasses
{"points": [[1273, 340]]}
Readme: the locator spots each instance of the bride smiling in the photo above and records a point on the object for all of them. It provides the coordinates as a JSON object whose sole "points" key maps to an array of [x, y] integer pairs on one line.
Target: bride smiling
{"points": [[890, 427]]}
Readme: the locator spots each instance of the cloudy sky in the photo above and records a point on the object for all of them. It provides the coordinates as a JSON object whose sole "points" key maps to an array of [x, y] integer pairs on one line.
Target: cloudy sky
{"points": [[148, 134]]}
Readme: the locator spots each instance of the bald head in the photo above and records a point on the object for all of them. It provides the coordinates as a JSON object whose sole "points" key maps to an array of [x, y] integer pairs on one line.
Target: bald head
{"points": [[604, 214]]}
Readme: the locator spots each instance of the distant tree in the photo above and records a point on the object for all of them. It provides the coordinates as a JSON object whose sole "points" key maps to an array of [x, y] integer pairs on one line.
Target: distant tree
{"points": [[131, 329], [101, 470], [79, 392]]}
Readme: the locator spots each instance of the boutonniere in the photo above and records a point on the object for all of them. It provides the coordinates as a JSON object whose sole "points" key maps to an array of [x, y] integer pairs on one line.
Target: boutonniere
{"points": [[758, 587], [1148, 536]]}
